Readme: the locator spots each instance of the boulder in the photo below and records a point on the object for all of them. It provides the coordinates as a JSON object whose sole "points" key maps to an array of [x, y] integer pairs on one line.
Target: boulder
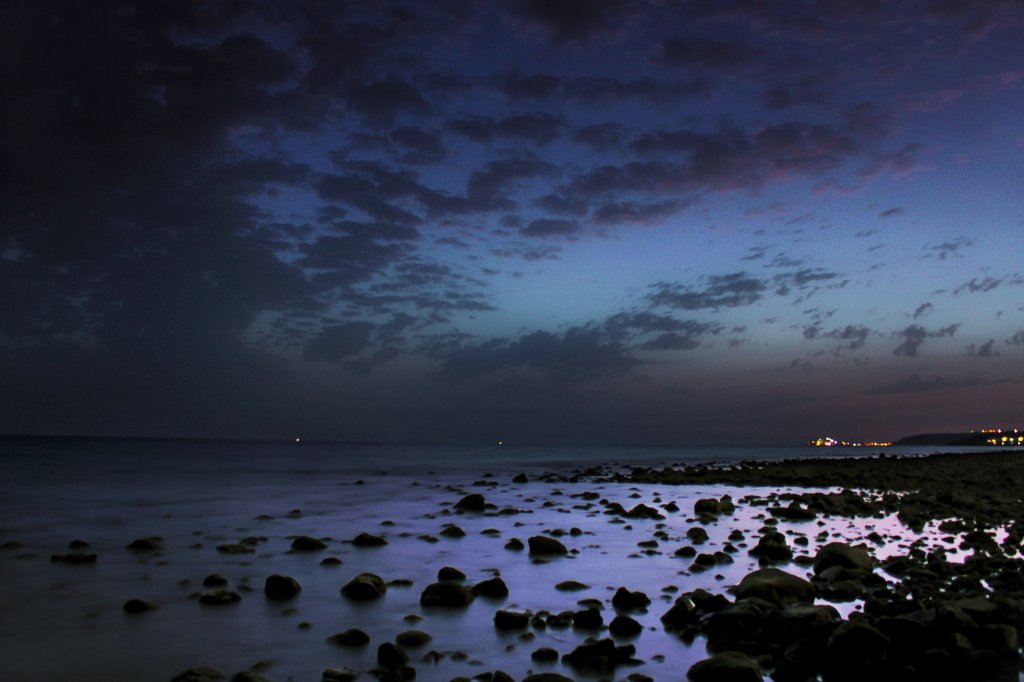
{"points": [[492, 587], [412, 638], [364, 587], [450, 573], [368, 540], [547, 677], [624, 626], [629, 601], [339, 675], [545, 655], [304, 543], [772, 547], [446, 593], [587, 619], [350, 637], [599, 656], [775, 586], [541, 545], [474, 502], [726, 666], [219, 597], [850, 557], [511, 620], [682, 613], [855, 651], [280, 587]]}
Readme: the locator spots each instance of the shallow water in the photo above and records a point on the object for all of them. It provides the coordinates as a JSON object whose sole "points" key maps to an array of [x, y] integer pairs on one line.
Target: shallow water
{"points": [[63, 622]]}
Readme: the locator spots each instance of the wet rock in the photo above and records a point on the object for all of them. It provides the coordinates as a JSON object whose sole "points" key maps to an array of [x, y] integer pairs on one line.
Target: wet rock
{"points": [[330, 561], [849, 557], [726, 666], [453, 531], [248, 676], [686, 552], [390, 656], [745, 621], [446, 593], [682, 614], [697, 535], [624, 626], [599, 656], [587, 619], [629, 601], [338, 675], [547, 677], [855, 651], [219, 597], [304, 543], [280, 587], [73, 558], [642, 511], [511, 620], [450, 573], [514, 545], [775, 586], [235, 548], [364, 587], [145, 544], [215, 580], [772, 547], [350, 637], [412, 638], [368, 540], [544, 655], [474, 502], [138, 606], [520, 478], [495, 588], [541, 545], [571, 586], [200, 674], [805, 621]]}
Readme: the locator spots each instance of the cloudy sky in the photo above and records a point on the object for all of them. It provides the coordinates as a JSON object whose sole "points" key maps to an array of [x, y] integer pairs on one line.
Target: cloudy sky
{"points": [[545, 221]]}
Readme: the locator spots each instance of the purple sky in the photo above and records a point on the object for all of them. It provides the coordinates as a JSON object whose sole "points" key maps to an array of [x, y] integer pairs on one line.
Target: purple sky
{"points": [[539, 221]]}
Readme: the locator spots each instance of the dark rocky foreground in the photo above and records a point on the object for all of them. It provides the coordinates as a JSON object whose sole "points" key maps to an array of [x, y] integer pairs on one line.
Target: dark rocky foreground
{"points": [[933, 619]]}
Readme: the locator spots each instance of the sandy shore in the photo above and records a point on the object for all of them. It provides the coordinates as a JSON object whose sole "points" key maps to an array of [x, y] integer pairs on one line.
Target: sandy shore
{"points": [[876, 568]]}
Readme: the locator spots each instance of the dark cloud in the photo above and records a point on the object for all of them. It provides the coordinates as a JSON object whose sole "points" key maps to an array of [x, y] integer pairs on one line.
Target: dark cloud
{"points": [[985, 350], [379, 103], [538, 127], [422, 146], [720, 291], [986, 284], [949, 249], [550, 227], [914, 335], [914, 383], [1016, 339], [691, 51], [600, 136], [573, 20], [579, 354], [922, 310], [616, 213], [340, 341], [890, 212]]}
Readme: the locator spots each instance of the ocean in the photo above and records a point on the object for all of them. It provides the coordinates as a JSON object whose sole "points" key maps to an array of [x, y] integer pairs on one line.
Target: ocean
{"points": [[63, 621]]}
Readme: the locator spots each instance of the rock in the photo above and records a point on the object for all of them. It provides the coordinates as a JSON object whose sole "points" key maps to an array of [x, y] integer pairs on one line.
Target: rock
{"points": [[514, 545], [624, 626], [145, 545], [545, 655], [280, 587], [520, 478], [541, 545], [474, 502], [368, 540], [248, 676], [748, 620], [201, 674], [304, 543], [450, 573], [642, 511], [599, 655], [350, 637], [775, 586], [219, 597], [446, 593], [547, 677], [453, 531], [330, 561], [772, 547], [697, 535], [412, 638], [390, 655], [805, 621], [215, 580], [494, 588], [855, 651], [364, 587], [138, 606], [235, 548], [571, 586], [726, 666], [682, 614], [511, 620], [629, 601], [850, 557], [587, 619], [338, 675], [73, 558]]}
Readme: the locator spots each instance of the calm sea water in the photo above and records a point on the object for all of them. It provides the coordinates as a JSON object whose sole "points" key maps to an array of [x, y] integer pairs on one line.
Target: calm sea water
{"points": [[65, 622]]}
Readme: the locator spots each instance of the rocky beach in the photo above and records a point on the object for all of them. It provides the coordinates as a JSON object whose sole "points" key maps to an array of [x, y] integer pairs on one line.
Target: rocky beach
{"points": [[879, 567]]}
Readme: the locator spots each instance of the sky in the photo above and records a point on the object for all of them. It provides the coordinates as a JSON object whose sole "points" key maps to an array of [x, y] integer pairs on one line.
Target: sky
{"points": [[537, 221]]}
